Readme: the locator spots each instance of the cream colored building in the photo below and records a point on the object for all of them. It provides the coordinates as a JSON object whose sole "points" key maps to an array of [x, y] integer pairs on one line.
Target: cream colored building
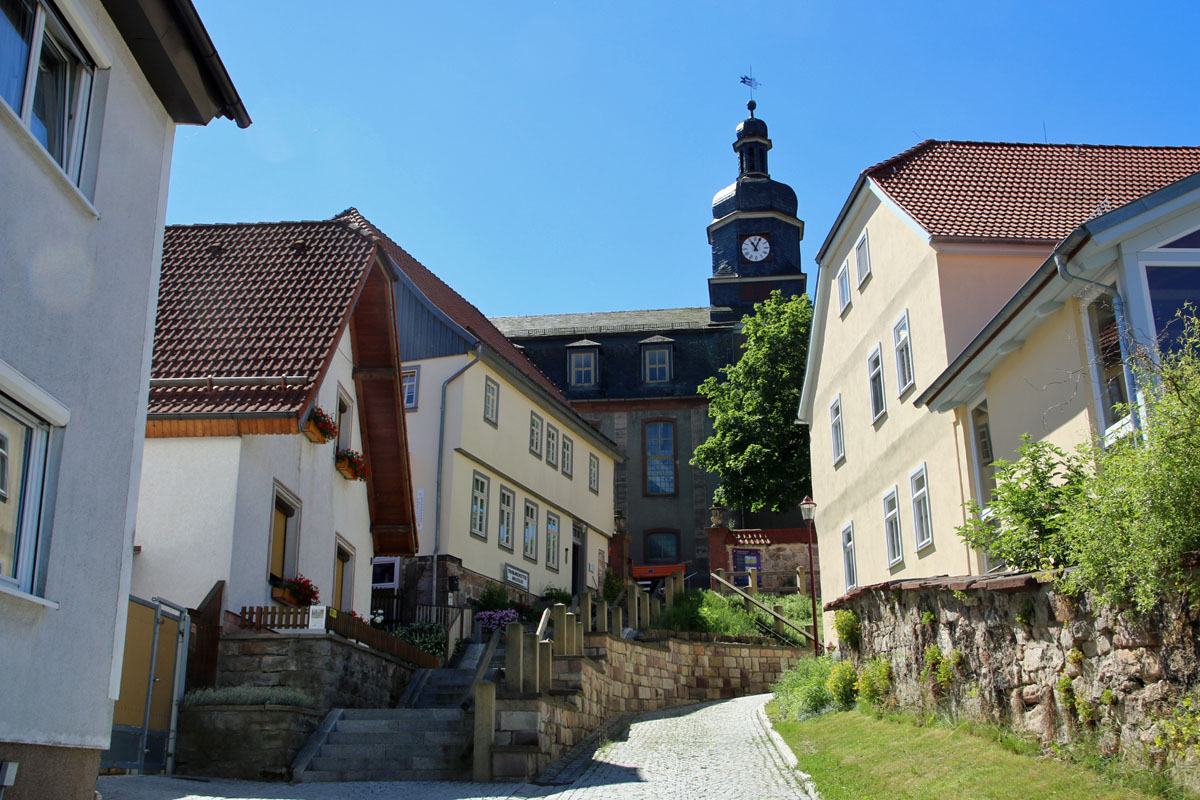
{"points": [[512, 485], [928, 247]]}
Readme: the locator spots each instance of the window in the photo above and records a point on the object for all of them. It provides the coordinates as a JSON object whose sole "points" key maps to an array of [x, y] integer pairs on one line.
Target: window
{"points": [[552, 446], [904, 363], [593, 473], [568, 456], [24, 443], [343, 576], [891, 527], [409, 384], [922, 524], [46, 80], [491, 405], [1170, 288], [982, 439], [345, 420], [656, 364], [843, 287], [862, 259], [551, 541], [835, 427], [531, 522], [659, 443], [581, 368], [285, 536], [535, 434], [504, 535], [875, 381], [479, 505], [1106, 346], [848, 565], [662, 547]]}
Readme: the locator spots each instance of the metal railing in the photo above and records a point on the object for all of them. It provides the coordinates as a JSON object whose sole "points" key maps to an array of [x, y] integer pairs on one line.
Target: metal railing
{"points": [[779, 618]]}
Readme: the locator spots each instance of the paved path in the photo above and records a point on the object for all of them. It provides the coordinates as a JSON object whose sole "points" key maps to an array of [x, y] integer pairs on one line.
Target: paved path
{"points": [[723, 750]]}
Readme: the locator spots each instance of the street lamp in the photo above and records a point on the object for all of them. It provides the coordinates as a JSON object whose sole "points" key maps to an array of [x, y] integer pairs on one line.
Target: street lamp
{"points": [[807, 509]]}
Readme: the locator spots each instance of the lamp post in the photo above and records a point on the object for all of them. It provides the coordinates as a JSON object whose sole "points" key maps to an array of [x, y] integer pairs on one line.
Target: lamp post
{"points": [[808, 508]]}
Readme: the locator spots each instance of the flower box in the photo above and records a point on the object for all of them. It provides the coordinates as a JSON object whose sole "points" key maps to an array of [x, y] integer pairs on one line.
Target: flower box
{"points": [[285, 596], [351, 464], [313, 433], [319, 427]]}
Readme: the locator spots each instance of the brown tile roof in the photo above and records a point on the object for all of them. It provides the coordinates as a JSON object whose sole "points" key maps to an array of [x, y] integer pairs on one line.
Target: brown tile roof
{"points": [[252, 300], [1032, 192], [454, 305]]}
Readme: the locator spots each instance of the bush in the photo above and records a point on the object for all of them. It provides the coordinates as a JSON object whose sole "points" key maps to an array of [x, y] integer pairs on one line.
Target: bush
{"points": [[803, 690], [249, 696], [613, 584], [552, 595], [875, 682], [428, 637], [841, 683], [493, 598], [1030, 502], [848, 626]]}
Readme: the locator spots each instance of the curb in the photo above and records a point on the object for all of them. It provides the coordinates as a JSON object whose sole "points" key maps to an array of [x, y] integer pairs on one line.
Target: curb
{"points": [[807, 787]]}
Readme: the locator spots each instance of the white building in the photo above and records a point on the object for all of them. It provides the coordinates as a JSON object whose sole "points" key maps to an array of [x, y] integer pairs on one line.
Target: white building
{"points": [[90, 95]]}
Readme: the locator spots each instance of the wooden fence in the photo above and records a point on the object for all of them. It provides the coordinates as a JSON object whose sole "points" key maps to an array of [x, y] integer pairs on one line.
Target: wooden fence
{"points": [[290, 618]]}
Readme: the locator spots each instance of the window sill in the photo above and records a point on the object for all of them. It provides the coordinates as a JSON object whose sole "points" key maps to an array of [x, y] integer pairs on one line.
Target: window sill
{"points": [[896, 563], [906, 389], [924, 546], [837, 462], [43, 157], [1118, 430], [863, 280], [842, 311], [12, 591]]}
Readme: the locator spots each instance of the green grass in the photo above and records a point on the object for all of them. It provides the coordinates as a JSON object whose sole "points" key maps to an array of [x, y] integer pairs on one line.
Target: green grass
{"points": [[860, 756], [702, 610]]}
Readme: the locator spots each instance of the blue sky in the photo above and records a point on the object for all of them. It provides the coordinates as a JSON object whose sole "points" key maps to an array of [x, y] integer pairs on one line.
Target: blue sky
{"points": [[553, 157]]}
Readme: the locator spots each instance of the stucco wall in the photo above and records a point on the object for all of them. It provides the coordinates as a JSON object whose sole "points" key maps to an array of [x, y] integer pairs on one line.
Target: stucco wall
{"points": [[75, 316], [975, 286]]}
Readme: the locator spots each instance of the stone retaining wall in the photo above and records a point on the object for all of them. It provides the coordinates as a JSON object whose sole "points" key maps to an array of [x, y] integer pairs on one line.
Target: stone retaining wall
{"points": [[248, 742], [1023, 643], [337, 672]]}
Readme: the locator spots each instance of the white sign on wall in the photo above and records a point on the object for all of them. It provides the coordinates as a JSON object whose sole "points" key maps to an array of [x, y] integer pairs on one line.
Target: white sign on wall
{"points": [[316, 618], [420, 507], [516, 576]]}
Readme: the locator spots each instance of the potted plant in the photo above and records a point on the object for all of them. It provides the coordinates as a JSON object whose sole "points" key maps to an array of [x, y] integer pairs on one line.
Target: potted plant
{"points": [[351, 464], [319, 427], [297, 591]]}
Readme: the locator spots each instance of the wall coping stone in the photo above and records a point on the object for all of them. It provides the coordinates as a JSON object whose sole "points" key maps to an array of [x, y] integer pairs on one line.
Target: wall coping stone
{"points": [[318, 635]]}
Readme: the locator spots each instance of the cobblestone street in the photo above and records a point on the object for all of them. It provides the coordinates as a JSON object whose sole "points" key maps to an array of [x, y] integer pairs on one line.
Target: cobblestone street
{"points": [[720, 750]]}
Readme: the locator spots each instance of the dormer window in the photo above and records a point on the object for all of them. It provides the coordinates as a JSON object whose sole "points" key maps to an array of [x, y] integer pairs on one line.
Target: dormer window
{"points": [[583, 364], [656, 359]]}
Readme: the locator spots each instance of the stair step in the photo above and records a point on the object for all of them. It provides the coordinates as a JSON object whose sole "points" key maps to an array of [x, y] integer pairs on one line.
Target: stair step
{"points": [[424, 716], [400, 738], [451, 748], [394, 765], [326, 776], [385, 726]]}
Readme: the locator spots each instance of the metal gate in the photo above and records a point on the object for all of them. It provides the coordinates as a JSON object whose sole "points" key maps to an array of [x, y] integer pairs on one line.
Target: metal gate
{"points": [[152, 680]]}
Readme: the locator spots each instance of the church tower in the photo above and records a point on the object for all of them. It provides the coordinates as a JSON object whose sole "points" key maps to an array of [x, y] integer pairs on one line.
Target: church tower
{"points": [[755, 234]]}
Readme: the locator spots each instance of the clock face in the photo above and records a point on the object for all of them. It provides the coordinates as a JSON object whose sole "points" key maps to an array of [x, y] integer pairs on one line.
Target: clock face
{"points": [[755, 248]]}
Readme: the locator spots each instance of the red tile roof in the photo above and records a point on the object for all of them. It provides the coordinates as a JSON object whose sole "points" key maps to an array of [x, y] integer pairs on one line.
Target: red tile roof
{"points": [[252, 300], [455, 306], [1031, 192]]}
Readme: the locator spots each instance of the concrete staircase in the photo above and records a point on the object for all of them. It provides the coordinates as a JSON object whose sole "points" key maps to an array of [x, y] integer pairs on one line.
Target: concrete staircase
{"points": [[391, 744]]}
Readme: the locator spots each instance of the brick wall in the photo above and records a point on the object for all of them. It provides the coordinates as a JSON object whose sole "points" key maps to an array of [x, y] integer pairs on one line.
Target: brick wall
{"points": [[248, 742]]}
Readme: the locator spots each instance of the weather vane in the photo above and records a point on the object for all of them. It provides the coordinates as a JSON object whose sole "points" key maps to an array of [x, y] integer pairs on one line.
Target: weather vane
{"points": [[748, 80]]}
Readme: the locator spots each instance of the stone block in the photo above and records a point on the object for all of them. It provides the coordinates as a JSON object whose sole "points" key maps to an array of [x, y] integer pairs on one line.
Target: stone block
{"points": [[518, 720]]}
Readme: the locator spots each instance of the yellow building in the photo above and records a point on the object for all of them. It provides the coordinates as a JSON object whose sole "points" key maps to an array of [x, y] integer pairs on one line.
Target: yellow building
{"points": [[511, 484], [928, 247]]}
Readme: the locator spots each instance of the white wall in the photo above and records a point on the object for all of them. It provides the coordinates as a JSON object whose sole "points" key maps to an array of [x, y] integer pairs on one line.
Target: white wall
{"points": [[75, 313]]}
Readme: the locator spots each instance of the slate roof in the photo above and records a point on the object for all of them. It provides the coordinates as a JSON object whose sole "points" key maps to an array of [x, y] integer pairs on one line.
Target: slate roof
{"points": [[1015, 191], [252, 300], [604, 322], [453, 304]]}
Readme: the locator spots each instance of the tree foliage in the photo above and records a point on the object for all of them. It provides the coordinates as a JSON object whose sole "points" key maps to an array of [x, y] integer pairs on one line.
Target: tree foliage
{"points": [[756, 447]]}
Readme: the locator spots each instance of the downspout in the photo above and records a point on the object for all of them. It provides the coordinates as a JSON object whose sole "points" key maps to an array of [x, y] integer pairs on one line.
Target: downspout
{"points": [[1123, 336], [437, 494]]}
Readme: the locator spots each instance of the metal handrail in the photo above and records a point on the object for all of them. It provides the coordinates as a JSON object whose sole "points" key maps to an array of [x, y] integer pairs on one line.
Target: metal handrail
{"points": [[481, 669], [770, 611]]}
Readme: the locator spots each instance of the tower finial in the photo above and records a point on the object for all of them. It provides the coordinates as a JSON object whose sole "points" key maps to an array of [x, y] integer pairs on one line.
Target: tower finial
{"points": [[752, 105]]}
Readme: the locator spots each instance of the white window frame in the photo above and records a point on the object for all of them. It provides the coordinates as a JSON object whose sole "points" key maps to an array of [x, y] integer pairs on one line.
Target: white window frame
{"points": [[481, 487], [842, 281], [1118, 428], [410, 377], [4, 446], [535, 434], [893, 533], [876, 373], [649, 369], [568, 456], [508, 506], [849, 564], [530, 529], [837, 430], [346, 601], [862, 255], [62, 34], [593, 473], [27, 492], [921, 509], [291, 541], [491, 402], [551, 446], [553, 526], [902, 341], [590, 368]]}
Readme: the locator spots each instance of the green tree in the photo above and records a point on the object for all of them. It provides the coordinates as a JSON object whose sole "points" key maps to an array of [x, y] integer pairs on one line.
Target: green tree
{"points": [[757, 448]]}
